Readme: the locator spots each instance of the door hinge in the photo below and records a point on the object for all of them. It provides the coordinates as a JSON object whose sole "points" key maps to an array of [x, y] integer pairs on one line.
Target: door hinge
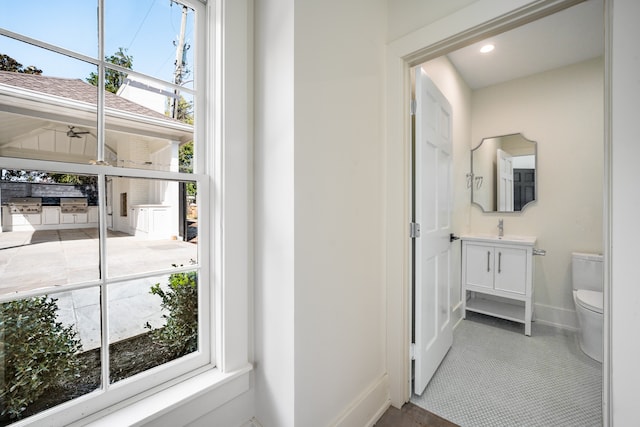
{"points": [[414, 230], [412, 351], [413, 107]]}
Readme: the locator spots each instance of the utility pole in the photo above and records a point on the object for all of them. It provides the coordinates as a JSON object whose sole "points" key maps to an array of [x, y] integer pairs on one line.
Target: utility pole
{"points": [[178, 74], [180, 59]]}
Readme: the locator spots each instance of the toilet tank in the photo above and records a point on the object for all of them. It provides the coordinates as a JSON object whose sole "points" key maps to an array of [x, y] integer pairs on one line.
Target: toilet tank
{"points": [[587, 271]]}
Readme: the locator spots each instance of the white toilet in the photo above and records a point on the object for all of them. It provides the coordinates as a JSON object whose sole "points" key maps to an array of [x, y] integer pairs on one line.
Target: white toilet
{"points": [[588, 282]]}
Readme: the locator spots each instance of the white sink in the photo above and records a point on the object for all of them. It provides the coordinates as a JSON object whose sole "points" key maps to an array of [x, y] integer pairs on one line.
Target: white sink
{"points": [[494, 238]]}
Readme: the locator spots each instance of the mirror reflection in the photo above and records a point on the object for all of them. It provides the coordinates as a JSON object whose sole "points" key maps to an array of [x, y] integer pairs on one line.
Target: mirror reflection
{"points": [[503, 173]]}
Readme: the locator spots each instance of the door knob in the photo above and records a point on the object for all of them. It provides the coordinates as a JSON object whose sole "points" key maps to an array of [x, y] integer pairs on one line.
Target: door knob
{"points": [[453, 237]]}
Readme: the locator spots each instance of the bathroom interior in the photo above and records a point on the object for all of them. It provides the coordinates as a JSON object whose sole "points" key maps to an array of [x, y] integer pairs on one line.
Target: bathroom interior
{"points": [[551, 101]]}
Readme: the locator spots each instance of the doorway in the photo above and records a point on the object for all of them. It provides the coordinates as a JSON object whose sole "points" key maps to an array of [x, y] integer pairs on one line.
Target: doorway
{"points": [[410, 52]]}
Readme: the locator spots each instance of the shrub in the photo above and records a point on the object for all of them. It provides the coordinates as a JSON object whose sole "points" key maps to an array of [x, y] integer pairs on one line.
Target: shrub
{"points": [[39, 352], [179, 335]]}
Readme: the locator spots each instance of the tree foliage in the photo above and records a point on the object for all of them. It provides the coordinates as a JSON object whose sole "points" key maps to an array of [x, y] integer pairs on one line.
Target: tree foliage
{"points": [[185, 163], [185, 157], [114, 79], [16, 175], [185, 111], [38, 352], [180, 333], [7, 63], [63, 178]]}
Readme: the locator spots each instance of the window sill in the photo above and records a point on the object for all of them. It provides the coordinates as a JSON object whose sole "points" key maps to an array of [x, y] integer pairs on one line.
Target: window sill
{"points": [[219, 388]]}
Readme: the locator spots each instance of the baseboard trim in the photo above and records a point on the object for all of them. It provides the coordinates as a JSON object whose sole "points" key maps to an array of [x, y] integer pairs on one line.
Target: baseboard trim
{"points": [[368, 407], [456, 314], [555, 316]]}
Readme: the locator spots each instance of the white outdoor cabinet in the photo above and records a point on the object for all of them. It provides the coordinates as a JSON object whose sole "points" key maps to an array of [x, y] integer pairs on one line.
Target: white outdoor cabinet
{"points": [[50, 215], [92, 213], [497, 277], [152, 221], [73, 218], [28, 221]]}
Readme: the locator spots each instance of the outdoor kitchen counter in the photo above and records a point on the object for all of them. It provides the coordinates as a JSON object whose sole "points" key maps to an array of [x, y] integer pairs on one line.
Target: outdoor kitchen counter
{"points": [[50, 218]]}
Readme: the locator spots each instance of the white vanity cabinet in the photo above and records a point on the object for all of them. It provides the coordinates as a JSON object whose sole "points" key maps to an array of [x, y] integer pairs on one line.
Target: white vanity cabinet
{"points": [[497, 277]]}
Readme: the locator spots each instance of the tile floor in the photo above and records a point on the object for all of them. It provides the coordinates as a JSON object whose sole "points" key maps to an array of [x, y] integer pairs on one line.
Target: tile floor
{"points": [[496, 376]]}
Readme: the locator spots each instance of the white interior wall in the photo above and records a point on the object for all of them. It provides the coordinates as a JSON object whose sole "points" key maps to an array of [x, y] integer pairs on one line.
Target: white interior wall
{"points": [[563, 111], [319, 125], [339, 230], [274, 185], [405, 16], [625, 200]]}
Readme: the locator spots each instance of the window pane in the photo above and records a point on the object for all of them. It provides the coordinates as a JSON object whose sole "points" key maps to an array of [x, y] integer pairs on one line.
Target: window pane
{"points": [[141, 337], [29, 58], [149, 31], [141, 130], [50, 351], [49, 229], [47, 112], [70, 24], [153, 225]]}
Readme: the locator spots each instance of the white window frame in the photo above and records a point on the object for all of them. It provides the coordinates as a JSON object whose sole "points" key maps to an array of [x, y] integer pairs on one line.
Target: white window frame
{"points": [[228, 130]]}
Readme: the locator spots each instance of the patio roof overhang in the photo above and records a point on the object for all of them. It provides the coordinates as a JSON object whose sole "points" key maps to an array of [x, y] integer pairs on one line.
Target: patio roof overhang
{"points": [[40, 107]]}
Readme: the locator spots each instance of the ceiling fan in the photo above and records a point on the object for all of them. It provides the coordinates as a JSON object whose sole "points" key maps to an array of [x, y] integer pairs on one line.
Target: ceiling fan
{"points": [[71, 133]]}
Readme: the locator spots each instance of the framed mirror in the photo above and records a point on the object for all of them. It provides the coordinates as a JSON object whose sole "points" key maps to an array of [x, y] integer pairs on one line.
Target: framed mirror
{"points": [[503, 174]]}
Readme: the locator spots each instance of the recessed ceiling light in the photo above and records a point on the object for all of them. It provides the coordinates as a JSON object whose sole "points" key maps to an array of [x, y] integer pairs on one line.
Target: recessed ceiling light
{"points": [[487, 48]]}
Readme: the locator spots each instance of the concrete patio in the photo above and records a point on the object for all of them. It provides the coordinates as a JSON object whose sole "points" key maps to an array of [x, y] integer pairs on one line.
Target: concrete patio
{"points": [[51, 259]]}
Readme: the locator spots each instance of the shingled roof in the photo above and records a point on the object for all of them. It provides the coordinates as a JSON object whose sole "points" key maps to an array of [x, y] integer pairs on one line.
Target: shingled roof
{"points": [[76, 90]]}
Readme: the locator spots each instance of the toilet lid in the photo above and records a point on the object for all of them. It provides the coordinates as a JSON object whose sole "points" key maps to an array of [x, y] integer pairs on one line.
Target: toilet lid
{"points": [[591, 300]]}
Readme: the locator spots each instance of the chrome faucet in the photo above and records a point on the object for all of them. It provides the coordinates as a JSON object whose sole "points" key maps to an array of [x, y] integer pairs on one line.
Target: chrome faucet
{"points": [[500, 227]]}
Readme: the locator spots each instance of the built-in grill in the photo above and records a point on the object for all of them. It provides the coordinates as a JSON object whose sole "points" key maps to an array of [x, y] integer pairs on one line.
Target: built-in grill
{"points": [[73, 205], [25, 205]]}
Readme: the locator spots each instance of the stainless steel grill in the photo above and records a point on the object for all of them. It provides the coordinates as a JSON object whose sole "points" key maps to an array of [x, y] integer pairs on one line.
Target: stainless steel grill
{"points": [[25, 205], [73, 205]]}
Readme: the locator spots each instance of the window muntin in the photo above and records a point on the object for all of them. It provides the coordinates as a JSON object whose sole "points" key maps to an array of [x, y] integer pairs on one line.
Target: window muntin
{"points": [[108, 282]]}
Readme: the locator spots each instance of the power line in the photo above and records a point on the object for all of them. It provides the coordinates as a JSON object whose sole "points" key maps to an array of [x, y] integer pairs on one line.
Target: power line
{"points": [[141, 23]]}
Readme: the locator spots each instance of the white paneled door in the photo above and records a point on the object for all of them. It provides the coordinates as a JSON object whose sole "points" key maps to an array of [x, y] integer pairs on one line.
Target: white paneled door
{"points": [[505, 181], [432, 212]]}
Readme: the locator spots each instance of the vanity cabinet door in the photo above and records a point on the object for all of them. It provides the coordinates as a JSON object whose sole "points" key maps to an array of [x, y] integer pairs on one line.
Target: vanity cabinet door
{"points": [[480, 265], [510, 270]]}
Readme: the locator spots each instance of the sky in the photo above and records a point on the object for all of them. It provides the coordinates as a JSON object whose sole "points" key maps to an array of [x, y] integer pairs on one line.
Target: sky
{"points": [[148, 30]]}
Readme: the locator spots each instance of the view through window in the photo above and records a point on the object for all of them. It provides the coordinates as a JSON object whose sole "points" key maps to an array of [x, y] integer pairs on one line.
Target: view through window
{"points": [[100, 259]]}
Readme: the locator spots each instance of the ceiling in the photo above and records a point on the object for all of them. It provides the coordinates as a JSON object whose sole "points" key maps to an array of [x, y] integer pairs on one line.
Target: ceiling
{"points": [[566, 37]]}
